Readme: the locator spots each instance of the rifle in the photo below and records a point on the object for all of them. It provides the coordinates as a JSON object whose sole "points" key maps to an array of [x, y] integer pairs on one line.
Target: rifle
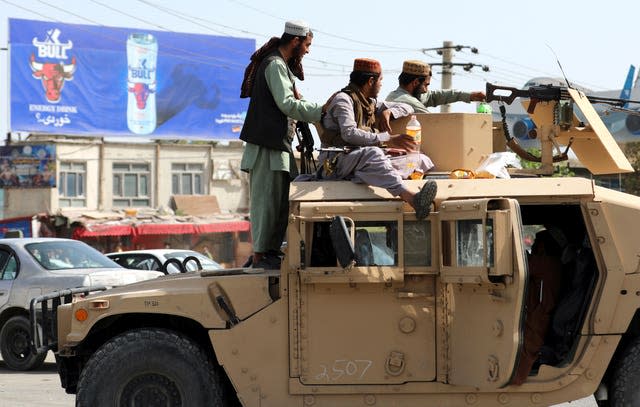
{"points": [[305, 148]]}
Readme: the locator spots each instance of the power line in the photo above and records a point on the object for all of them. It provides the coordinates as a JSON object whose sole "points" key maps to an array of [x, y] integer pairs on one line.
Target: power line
{"points": [[194, 20], [388, 47], [182, 54], [117, 10], [499, 71], [69, 12]]}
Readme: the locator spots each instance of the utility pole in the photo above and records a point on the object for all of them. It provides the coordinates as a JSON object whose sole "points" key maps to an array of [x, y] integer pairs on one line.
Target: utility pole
{"points": [[447, 56], [447, 65]]}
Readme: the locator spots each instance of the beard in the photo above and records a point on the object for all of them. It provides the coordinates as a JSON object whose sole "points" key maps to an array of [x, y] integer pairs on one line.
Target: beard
{"points": [[416, 92], [295, 62]]}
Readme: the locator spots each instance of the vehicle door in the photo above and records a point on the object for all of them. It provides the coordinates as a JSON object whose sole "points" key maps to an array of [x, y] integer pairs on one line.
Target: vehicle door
{"points": [[483, 276], [8, 273], [367, 322]]}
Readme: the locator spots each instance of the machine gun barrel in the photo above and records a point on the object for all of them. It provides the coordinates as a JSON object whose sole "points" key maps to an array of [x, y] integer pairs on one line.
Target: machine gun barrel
{"points": [[543, 93]]}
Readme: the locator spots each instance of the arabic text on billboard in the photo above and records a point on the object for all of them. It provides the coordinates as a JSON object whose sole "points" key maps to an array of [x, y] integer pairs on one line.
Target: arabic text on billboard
{"points": [[94, 80]]}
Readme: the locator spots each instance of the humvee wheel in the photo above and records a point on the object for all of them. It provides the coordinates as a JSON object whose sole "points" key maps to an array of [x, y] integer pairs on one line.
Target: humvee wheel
{"points": [[624, 389], [14, 345], [150, 367]]}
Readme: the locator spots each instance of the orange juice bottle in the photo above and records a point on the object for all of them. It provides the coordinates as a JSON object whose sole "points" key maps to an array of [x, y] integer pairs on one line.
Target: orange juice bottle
{"points": [[415, 130]]}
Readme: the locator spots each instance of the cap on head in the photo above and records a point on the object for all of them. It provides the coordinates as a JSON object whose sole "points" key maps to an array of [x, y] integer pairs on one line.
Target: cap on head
{"points": [[298, 28], [367, 65], [415, 67]]}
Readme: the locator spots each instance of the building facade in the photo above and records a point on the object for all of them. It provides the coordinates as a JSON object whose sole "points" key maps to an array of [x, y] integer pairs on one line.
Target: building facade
{"points": [[100, 182]]}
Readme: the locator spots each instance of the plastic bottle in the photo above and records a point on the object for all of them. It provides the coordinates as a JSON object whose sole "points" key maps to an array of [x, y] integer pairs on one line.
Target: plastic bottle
{"points": [[415, 130], [484, 107]]}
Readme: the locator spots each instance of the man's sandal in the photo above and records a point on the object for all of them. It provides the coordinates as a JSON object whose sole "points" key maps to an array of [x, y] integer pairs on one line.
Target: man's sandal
{"points": [[423, 199]]}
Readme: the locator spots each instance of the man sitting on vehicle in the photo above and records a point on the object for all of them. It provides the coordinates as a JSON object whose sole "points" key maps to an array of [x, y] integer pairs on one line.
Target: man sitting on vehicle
{"points": [[351, 128]]}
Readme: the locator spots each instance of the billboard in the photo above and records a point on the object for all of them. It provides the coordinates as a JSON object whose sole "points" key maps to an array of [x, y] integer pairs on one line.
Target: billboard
{"points": [[16, 227], [28, 166], [103, 81]]}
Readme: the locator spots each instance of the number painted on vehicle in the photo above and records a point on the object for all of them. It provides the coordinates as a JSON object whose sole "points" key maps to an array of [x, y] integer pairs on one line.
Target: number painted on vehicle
{"points": [[344, 368]]}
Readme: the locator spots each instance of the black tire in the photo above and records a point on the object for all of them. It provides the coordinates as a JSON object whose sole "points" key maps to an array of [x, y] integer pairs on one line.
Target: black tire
{"points": [[151, 367], [15, 339], [624, 386]]}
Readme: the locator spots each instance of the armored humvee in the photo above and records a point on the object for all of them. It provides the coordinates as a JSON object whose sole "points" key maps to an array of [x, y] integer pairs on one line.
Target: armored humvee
{"points": [[374, 308]]}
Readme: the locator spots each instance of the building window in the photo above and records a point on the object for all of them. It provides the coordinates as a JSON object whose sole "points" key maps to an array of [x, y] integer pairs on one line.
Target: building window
{"points": [[71, 184], [131, 185], [186, 179]]}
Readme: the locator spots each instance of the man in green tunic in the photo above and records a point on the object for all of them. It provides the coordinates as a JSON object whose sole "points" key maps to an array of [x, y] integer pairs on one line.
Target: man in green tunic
{"points": [[413, 89], [268, 158]]}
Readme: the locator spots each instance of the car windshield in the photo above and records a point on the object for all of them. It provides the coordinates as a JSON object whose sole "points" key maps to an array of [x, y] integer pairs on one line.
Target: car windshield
{"points": [[205, 262], [68, 255]]}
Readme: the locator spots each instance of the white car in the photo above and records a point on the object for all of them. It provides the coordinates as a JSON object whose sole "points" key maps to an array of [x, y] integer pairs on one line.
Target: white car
{"points": [[30, 267], [153, 259]]}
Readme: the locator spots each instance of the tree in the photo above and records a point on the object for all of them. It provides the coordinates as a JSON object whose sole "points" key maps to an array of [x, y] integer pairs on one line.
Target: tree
{"points": [[631, 181], [559, 169]]}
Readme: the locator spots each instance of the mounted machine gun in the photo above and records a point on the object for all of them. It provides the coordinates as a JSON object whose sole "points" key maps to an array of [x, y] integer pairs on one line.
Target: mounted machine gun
{"points": [[552, 110]]}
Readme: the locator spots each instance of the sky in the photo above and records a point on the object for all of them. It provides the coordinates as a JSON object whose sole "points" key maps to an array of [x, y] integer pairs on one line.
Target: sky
{"points": [[593, 41]]}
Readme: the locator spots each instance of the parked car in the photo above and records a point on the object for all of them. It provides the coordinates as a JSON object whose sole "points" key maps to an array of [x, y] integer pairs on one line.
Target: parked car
{"points": [[30, 267], [153, 259]]}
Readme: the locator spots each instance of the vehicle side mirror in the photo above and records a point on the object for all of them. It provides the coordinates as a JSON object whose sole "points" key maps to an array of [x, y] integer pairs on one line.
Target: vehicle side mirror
{"points": [[342, 241]]}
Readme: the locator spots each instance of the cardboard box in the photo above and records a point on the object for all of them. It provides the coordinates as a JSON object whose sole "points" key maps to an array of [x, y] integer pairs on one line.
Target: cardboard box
{"points": [[453, 140]]}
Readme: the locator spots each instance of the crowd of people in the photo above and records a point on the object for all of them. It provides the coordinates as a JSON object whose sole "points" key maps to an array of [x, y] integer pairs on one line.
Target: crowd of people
{"points": [[355, 126]]}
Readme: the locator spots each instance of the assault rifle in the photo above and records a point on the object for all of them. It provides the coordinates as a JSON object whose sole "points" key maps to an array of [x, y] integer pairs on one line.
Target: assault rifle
{"points": [[305, 148]]}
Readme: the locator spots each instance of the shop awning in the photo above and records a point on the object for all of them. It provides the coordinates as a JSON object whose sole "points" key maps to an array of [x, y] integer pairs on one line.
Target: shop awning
{"points": [[102, 230], [191, 228], [164, 229], [237, 226], [130, 227]]}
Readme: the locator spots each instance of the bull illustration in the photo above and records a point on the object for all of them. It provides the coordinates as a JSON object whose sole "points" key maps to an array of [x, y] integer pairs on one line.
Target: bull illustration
{"points": [[141, 92], [53, 75]]}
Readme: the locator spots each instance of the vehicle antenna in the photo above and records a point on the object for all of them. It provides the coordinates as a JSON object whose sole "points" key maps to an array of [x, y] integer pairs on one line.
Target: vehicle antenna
{"points": [[561, 70]]}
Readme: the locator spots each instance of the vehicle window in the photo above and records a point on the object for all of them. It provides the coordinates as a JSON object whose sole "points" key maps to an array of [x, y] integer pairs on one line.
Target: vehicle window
{"points": [[470, 241], [4, 256], [376, 243], [417, 243], [137, 261], [9, 266], [64, 255]]}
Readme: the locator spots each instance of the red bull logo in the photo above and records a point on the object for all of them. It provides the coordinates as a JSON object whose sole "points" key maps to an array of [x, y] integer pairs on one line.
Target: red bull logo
{"points": [[141, 91], [53, 75]]}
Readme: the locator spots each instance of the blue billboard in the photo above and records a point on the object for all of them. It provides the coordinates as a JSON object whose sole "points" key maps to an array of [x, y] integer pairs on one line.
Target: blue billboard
{"points": [[103, 81]]}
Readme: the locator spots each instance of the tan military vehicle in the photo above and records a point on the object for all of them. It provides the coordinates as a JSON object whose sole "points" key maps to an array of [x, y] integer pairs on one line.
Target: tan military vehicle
{"points": [[374, 308]]}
